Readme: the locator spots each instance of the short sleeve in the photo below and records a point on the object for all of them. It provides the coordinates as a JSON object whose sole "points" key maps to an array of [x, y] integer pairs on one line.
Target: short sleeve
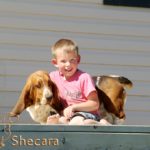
{"points": [[87, 84]]}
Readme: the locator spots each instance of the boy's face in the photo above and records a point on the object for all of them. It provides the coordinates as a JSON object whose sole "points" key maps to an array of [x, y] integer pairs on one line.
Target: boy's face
{"points": [[67, 62]]}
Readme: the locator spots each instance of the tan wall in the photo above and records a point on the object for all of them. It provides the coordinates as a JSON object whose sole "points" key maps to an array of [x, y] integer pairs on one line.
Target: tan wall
{"points": [[112, 40]]}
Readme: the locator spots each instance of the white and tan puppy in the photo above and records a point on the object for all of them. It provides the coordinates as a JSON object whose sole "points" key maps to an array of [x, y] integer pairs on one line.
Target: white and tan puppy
{"points": [[39, 97]]}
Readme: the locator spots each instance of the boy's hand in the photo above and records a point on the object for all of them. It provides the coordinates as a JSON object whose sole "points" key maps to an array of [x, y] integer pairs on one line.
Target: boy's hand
{"points": [[68, 112]]}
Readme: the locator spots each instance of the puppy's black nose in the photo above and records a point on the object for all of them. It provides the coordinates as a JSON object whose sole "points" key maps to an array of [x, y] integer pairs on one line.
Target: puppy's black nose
{"points": [[49, 97], [52, 113]]}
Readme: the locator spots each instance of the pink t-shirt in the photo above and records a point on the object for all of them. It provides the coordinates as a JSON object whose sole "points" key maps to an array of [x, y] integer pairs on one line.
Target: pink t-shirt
{"points": [[76, 89]]}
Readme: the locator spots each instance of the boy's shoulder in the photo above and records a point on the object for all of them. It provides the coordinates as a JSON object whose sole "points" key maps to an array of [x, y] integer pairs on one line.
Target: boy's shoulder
{"points": [[83, 74], [54, 73]]}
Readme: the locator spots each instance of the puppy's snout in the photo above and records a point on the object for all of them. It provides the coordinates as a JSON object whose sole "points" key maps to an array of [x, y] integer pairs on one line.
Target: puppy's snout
{"points": [[47, 94]]}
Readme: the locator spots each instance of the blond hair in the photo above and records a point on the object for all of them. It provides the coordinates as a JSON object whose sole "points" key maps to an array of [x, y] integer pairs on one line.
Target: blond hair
{"points": [[66, 45]]}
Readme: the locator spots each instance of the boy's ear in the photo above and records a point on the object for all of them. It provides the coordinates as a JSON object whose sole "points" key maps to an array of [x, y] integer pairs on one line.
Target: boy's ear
{"points": [[54, 62], [79, 58]]}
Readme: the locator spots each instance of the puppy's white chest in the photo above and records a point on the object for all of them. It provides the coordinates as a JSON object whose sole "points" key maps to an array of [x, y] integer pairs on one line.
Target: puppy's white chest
{"points": [[39, 113]]}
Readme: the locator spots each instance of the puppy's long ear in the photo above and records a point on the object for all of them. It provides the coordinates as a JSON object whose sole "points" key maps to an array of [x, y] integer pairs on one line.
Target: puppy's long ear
{"points": [[56, 103], [21, 103]]}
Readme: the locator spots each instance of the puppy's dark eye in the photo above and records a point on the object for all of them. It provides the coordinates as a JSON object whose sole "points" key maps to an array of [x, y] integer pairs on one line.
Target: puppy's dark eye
{"points": [[39, 84]]}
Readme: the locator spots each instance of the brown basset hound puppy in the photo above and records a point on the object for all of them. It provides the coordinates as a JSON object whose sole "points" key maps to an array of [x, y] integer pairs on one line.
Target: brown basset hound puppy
{"points": [[39, 97], [112, 95]]}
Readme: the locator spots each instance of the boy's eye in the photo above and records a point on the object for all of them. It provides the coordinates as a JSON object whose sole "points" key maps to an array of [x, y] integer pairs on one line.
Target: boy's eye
{"points": [[73, 60], [63, 61]]}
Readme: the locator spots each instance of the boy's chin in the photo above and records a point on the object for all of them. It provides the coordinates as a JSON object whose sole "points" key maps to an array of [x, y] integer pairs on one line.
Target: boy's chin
{"points": [[67, 76]]}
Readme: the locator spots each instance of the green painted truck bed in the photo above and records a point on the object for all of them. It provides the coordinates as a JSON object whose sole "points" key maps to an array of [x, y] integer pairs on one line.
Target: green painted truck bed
{"points": [[64, 137]]}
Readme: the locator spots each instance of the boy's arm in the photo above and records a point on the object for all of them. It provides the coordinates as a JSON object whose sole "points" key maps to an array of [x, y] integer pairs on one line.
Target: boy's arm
{"points": [[92, 104]]}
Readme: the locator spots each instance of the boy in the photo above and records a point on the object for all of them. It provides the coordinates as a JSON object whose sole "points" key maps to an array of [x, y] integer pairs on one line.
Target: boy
{"points": [[76, 88]]}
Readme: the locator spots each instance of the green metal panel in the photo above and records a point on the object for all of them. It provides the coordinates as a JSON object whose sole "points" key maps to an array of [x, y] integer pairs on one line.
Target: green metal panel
{"points": [[75, 137]]}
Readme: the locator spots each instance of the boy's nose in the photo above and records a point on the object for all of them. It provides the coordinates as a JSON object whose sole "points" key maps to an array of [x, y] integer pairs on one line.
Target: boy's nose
{"points": [[67, 63]]}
